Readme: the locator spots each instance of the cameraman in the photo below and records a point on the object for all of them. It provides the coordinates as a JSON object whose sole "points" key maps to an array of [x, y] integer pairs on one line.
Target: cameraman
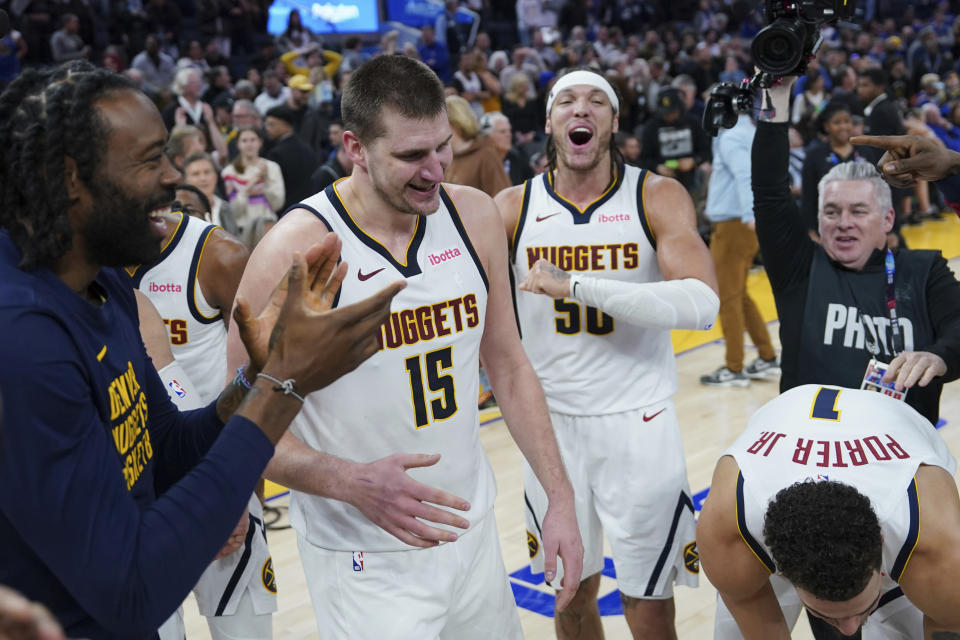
{"points": [[832, 298]]}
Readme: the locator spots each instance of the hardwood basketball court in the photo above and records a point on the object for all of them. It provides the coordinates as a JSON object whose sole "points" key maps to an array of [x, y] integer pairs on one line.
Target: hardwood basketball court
{"points": [[710, 420]]}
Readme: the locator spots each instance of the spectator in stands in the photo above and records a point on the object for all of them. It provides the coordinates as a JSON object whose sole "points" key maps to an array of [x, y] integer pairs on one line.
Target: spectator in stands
{"points": [[434, 54], [629, 146], [254, 186], [319, 65], [339, 165], [308, 123], [189, 109], [943, 128], [194, 58], [243, 114], [807, 106], [66, 43], [468, 84], [929, 58], [881, 118], [523, 61], [674, 143], [184, 141], [489, 80], [931, 91], [524, 113], [353, 54], [830, 148], [296, 158], [274, 93], [200, 171], [164, 17], [476, 162], [691, 96], [495, 126], [158, 70], [219, 83], [13, 48], [296, 34]]}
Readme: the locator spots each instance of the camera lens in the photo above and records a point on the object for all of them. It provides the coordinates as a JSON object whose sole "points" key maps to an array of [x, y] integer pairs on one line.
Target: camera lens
{"points": [[779, 48]]}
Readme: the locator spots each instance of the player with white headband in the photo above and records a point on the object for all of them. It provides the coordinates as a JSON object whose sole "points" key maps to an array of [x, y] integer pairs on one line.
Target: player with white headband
{"points": [[608, 260]]}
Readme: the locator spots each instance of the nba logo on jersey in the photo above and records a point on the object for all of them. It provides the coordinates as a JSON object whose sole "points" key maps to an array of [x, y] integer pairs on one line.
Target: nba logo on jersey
{"points": [[178, 389], [820, 476], [358, 560]]}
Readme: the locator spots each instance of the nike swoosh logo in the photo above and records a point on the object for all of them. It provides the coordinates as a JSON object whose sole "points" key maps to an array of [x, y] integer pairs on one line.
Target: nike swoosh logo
{"points": [[647, 418], [366, 276], [541, 219]]}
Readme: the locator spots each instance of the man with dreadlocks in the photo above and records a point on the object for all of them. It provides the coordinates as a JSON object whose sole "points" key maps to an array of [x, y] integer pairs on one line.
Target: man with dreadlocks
{"points": [[609, 260], [112, 503]]}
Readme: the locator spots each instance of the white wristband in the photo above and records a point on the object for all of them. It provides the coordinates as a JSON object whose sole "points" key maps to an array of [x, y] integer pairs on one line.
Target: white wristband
{"points": [[672, 304]]}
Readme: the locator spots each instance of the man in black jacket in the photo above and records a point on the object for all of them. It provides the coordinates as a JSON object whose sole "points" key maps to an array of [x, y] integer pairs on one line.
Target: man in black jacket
{"points": [[881, 118], [835, 307], [295, 157], [832, 299]]}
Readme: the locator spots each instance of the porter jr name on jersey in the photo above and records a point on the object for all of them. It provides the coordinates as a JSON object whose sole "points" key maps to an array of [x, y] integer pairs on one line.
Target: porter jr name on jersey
{"points": [[844, 452]]}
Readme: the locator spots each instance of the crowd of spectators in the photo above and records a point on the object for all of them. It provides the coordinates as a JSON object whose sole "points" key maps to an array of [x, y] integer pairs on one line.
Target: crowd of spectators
{"points": [[212, 66]]}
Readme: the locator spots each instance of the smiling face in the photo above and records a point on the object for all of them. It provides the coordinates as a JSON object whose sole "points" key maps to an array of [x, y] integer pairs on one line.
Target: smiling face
{"points": [[132, 187], [582, 123], [406, 164], [838, 128], [848, 615], [852, 225], [203, 175]]}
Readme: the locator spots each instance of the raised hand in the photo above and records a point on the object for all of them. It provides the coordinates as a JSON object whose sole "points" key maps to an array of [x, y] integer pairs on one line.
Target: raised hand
{"points": [[312, 344], [324, 276], [907, 159]]}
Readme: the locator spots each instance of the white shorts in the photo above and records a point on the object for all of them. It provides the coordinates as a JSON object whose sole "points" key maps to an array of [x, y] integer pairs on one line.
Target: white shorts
{"points": [[456, 591], [248, 570], [629, 481], [896, 618]]}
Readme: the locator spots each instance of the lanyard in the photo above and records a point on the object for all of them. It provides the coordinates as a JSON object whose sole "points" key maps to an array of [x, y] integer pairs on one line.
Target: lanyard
{"points": [[889, 267]]}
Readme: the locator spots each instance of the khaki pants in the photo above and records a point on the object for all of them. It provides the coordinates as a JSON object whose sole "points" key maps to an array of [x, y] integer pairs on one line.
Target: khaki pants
{"points": [[733, 245]]}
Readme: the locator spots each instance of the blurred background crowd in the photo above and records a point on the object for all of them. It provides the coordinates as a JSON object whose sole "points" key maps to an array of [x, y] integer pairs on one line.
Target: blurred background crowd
{"points": [[254, 117]]}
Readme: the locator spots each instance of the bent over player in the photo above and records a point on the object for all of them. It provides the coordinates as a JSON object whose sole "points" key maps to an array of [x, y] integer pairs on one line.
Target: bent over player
{"points": [[615, 253], [840, 501]]}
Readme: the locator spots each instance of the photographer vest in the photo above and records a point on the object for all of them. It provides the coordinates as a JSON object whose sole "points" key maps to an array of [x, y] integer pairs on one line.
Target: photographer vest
{"points": [[846, 321]]}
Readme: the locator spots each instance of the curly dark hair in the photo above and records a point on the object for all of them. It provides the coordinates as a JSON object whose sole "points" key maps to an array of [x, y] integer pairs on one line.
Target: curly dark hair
{"points": [[616, 157], [45, 116], [824, 538]]}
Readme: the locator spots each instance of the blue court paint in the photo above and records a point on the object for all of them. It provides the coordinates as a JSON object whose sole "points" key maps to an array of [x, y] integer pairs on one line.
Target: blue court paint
{"points": [[523, 582]]}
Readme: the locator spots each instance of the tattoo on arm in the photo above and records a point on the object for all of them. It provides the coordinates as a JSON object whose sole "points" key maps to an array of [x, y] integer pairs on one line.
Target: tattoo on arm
{"points": [[555, 271], [229, 400]]}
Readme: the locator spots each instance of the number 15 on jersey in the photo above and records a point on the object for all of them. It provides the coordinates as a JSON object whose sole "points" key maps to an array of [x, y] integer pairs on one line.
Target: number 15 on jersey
{"points": [[426, 373]]}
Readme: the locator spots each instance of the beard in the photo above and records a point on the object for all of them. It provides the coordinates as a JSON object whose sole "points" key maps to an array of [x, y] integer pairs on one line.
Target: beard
{"points": [[118, 231]]}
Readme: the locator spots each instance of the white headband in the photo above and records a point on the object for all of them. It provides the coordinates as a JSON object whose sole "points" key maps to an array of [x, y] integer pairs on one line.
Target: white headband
{"points": [[583, 77]]}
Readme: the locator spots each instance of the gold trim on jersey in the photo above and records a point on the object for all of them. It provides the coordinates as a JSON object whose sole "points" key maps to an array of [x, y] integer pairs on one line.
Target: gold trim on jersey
{"points": [[406, 252], [613, 184]]}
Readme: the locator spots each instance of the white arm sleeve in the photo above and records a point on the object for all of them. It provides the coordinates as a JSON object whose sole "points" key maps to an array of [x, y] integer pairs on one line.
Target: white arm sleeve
{"points": [[673, 304]]}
